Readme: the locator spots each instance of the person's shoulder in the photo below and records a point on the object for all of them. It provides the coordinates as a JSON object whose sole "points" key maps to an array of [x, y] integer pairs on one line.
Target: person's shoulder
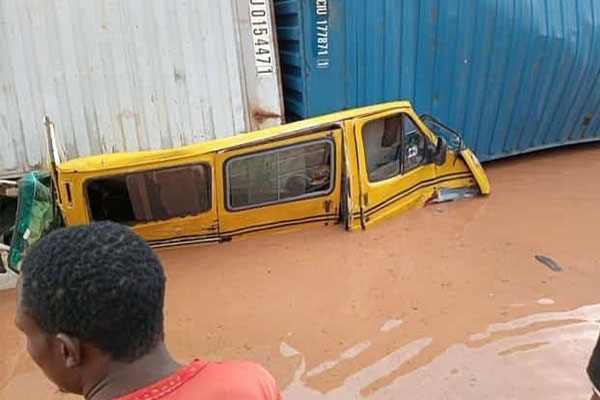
{"points": [[238, 379], [241, 367]]}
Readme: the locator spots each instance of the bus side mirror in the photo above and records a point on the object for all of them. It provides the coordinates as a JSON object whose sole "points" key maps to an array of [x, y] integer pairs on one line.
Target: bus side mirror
{"points": [[441, 152]]}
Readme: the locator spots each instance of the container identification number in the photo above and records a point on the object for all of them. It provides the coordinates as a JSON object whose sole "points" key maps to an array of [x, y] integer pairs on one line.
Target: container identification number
{"points": [[261, 36], [322, 9]]}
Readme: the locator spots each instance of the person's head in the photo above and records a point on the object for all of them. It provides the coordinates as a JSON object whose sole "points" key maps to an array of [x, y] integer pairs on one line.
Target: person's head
{"points": [[87, 296], [593, 371]]}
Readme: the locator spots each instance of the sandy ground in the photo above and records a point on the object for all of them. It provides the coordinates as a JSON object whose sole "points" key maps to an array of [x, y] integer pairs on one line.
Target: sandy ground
{"points": [[443, 302]]}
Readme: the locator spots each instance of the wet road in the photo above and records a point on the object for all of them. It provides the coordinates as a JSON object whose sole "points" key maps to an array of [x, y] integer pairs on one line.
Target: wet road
{"points": [[443, 302]]}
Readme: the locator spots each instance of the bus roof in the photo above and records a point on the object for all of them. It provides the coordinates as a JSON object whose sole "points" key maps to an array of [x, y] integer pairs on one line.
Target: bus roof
{"points": [[104, 162]]}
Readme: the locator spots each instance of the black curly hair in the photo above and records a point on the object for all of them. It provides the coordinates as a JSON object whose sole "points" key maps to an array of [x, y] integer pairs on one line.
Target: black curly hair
{"points": [[101, 283]]}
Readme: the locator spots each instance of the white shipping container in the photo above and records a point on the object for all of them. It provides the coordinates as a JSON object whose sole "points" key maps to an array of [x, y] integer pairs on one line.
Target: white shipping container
{"points": [[118, 75]]}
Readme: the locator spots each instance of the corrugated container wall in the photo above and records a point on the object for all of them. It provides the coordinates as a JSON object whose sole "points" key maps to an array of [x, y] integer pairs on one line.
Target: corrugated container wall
{"points": [[512, 75], [129, 75]]}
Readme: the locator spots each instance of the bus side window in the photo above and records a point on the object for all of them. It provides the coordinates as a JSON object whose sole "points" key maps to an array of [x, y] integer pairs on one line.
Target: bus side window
{"points": [[383, 148], [393, 146], [277, 175], [152, 195], [415, 145]]}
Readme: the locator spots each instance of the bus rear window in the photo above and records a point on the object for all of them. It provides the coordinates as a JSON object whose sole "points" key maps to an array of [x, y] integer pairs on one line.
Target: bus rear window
{"points": [[152, 195]]}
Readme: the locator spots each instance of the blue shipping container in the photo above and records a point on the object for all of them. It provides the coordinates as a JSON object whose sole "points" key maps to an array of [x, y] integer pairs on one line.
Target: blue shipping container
{"points": [[512, 75]]}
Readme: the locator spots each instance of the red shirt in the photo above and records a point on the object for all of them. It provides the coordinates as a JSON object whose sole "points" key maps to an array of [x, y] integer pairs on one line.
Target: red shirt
{"points": [[202, 380]]}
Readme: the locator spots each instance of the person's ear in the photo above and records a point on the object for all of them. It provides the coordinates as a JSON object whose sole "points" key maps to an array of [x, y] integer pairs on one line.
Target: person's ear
{"points": [[70, 350]]}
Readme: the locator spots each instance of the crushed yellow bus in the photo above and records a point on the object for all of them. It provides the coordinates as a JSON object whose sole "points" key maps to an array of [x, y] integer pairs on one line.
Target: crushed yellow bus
{"points": [[353, 168]]}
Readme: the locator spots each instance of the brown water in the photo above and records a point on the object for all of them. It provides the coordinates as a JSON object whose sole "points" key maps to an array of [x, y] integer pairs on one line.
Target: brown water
{"points": [[443, 302]]}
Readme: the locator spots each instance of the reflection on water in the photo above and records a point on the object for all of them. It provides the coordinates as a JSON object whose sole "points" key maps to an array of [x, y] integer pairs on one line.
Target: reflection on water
{"points": [[352, 352], [546, 302], [390, 325], [539, 356]]}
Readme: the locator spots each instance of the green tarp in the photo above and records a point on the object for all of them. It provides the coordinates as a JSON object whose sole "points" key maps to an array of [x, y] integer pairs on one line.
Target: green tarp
{"points": [[37, 215]]}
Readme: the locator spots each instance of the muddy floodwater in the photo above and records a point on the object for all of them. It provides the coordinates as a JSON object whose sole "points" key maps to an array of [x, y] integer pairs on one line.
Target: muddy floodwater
{"points": [[443, 302]]}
